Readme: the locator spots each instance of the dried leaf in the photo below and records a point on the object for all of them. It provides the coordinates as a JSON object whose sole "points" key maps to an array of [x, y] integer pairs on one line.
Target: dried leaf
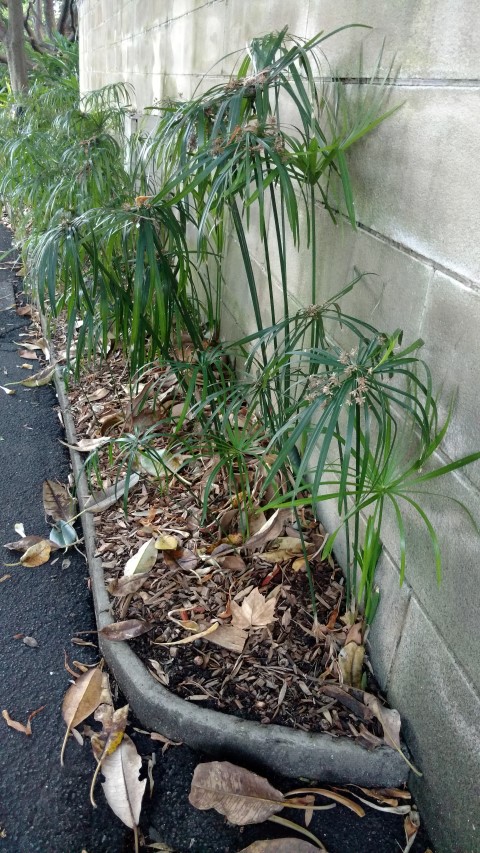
{"points": [[20, 529], [19, 727], [229, 637], [5, 578], [26, 542], [100, 501], [80, 701], [122, 787], [166, 542], [86, 445], [31, 642], [390, 720], [240, 795], [127, 585], [284, 548], [411, 825], [43, 377], [8, 391], [126, 630], [37, 554], [350, 661], [57, 501], [109, 739], [254, 612], [232, 563], [143, 560], [281, 845], [270, 530]]}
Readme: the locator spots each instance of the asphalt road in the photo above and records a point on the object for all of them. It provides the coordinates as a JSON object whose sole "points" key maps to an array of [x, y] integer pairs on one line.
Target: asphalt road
{"points": [[45, 808]]}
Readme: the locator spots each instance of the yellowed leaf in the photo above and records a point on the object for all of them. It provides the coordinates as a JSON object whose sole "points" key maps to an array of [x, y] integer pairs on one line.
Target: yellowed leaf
{"points": [[166, 542], [37, 554], [43, 377]]}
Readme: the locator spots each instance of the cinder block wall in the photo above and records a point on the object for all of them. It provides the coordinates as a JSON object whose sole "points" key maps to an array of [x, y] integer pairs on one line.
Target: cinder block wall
{"points": [[417, 184]]}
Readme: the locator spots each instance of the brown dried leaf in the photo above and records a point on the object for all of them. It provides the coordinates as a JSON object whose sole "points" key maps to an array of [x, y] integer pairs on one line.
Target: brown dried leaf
{"points": [[270, 530], [26, 542], [240, 795], [19, 727], [281, 845], [254, 612], [57, 501], [192, 638], [350, 661], [127, 585], [229, 637], [80, 701], [37, 554], [122, 787], [125, 630], [232, 563]]}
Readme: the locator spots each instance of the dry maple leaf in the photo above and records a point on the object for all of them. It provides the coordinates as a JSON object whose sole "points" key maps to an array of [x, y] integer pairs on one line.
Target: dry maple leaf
{"points": [[255, 611]]}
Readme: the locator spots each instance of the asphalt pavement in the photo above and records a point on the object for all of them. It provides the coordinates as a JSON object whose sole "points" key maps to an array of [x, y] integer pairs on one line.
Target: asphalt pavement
{"points": [[45, 808]]}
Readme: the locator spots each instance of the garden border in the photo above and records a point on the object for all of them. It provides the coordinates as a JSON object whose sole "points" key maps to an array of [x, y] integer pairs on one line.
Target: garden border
{"points": [[316, 756]]}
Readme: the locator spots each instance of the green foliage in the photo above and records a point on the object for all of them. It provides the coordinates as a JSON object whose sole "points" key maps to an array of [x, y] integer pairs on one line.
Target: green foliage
{"points": [[127, 239]]}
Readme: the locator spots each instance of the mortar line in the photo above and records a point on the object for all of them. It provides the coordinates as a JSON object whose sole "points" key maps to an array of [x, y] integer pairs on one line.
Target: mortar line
{"points": [[458, 664]]}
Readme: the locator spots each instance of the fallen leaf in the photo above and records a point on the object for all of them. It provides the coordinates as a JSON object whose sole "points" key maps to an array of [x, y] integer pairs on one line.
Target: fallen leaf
{"points": [[411, 825], [122, 787], [350, 661], [80, 701], [26, 542], [63, 534], [254, 612], [5, 578], [19, 727], [43, 377], [281, 845], [390, 720], [8, 391], [229, 637], [24, 310], [25, 353], [100, 501], [184, 559], [270, 530], [284, 548], [143, 560], [109, 739], [125, 630], [98, 394], [238, 794], [232, 563], [31, 642], [37, 554], [166, 543], [127, 585], [20, 529], [86, 445], [57, 501]]}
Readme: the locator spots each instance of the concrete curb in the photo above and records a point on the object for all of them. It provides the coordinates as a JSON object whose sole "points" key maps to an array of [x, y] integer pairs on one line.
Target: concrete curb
{"points": [[275, 748]]}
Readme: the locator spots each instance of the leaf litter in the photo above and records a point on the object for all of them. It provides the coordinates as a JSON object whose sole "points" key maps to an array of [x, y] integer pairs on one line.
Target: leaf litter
{"points": [[283, 660], [257, 650]]}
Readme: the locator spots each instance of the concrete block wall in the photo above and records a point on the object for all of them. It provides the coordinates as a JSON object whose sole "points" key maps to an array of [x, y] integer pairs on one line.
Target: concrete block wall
{"points": [[416, 182]]}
